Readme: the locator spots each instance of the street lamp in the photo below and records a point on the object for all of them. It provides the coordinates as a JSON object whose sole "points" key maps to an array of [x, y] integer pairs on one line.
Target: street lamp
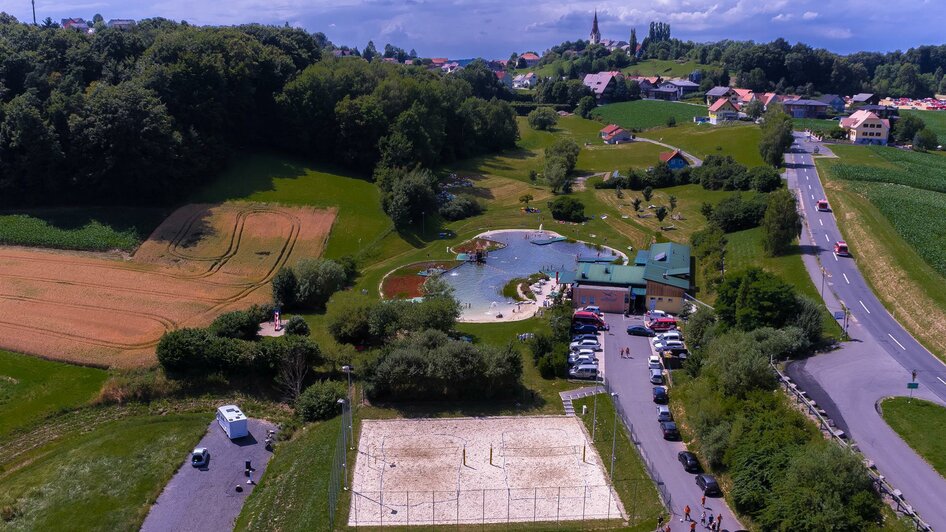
{"points": [[822, 282], [614, 433], [594, 417], [345, 455], [351, 430]]}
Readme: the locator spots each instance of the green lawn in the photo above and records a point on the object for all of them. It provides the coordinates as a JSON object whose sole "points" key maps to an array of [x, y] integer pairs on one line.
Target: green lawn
{"points": [[631, 481], [81, 228], [293, 494], [935, 120], [815, 124], [922, 425], [739, 140], [646, 114], [105, 479], [31, 389], [744, 250], [664, 68]]}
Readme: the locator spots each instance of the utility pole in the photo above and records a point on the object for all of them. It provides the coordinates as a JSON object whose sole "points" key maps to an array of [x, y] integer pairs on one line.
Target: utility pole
{"points": [[33, 2]]}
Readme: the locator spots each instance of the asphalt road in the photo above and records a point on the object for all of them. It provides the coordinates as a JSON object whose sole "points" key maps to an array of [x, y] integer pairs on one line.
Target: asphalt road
{"points": [[630, 379], [205, 499], [849, 383]]}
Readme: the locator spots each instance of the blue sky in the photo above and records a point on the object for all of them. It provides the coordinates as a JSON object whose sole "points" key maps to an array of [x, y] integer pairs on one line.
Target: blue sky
{"points": [[494, 28]]}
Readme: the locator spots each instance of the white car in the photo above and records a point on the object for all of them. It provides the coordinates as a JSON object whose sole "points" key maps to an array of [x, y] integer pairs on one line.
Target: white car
{"points": [[587, 343], [663, 345], [653, 359], [592, 308], [200, 456], [669, 335]]}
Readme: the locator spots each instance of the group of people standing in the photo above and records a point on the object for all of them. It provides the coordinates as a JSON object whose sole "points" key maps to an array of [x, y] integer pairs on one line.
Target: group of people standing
{"points": [[707, 521]]}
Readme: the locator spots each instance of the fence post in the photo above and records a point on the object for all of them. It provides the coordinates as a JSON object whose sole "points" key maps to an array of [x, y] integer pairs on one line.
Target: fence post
{"points": [[535, 500], [433, 507], [408, 508], [381, 505], [584, 500], [483, 507], [558, 505], [609, 504], [458, 503], [508, 501]]}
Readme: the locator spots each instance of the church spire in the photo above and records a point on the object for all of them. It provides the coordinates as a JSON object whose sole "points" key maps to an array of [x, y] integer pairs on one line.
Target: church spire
{"points": [[595, 36]]}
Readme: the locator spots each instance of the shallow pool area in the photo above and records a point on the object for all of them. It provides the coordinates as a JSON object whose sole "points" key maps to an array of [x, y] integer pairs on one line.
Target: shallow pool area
{"points": [[478, 286]]}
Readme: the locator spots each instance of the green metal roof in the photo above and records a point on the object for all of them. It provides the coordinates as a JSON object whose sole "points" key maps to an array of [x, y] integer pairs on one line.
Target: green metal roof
{"points": [[638, 291], [669, 263], [610, 274]]}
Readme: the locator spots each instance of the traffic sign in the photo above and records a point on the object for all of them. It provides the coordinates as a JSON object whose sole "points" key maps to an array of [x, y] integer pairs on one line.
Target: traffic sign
{"points": [[913, 385], [839, 314]]}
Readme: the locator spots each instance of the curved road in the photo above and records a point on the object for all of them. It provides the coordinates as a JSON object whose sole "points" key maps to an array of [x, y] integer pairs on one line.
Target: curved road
{"points": [[877, 363]]}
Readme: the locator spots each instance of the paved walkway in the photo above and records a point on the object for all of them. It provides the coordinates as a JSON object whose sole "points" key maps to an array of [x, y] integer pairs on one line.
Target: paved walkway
{"points": [[206, 499], [571, 395]]}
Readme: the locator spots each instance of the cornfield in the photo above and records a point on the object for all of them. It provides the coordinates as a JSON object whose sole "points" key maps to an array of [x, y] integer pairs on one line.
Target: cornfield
{"points": [[24, 230]]}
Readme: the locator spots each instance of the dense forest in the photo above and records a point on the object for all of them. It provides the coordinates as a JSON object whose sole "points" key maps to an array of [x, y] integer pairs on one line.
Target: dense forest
{"points": [[141, 115], [775, 66]]}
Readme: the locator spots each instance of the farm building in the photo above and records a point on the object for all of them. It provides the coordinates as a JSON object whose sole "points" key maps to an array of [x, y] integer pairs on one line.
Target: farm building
{"points": [[864, 98], [833, 101], [658, 279], [800, 108], [865, 127]]}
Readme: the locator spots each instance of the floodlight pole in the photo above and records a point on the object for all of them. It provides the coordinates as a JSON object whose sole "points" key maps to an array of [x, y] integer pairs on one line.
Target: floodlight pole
{"points": [[351, 397], [614, 434], [594, 417], [345, 455]]}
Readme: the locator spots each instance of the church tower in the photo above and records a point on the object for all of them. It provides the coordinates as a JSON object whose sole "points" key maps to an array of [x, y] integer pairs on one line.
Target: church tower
{"points": [[595, 36]]}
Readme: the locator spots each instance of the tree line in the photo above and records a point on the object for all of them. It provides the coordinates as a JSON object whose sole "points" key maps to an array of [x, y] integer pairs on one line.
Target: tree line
{"points": [[140, 116]]}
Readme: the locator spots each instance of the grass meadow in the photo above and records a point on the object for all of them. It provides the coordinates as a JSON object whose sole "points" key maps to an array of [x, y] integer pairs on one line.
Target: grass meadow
{"points": [[647, 114], [739, 140], [32, 388], [922, 425], [935, 120]]}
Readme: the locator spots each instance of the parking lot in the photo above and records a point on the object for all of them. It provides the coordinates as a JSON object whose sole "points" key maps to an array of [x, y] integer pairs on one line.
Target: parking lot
{"points": [[206, 498], [630, 379]]}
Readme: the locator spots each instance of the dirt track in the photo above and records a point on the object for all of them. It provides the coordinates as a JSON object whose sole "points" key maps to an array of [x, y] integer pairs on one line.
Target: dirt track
{"points": [[202, 261]]}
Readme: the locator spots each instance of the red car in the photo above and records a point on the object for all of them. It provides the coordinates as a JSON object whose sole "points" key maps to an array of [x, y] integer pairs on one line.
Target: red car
{"points": [[840, 249]]}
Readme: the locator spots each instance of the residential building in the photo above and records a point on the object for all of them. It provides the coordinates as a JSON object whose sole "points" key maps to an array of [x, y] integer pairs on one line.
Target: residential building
{"points": [[75, 24], [674, 159], [724, 110], [769, 98], [524, 81], [439, 61], [602, 84], [608, 129], [884, 111], [121, 23], [447, 68], [801, 108], [682, 86], [864, 98], [617, 136], [530, 58], [663, 92], [595, 37], [743, 96], [505, 78], [834, 102], [659, 279], [865, 127], [713, 95]]}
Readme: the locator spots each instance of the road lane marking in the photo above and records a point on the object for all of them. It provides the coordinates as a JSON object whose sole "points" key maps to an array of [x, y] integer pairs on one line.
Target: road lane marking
{"points": [[812, 196], [809, 186], [895, 341], [835, 256], [820, 221], [826, 237], [940, 380], [845, 278], [868, 311]]}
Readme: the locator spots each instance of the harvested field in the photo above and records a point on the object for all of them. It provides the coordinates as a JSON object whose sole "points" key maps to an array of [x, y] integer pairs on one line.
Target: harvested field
{"points": [[201, 261], [478, 470]]}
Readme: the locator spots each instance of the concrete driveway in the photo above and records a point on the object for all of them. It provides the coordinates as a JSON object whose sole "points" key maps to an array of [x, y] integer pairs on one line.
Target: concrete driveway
{"points": [[630, 379], [205, 499]]}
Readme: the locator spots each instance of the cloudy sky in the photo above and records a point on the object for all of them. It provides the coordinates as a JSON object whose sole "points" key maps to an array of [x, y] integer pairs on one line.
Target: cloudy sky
{"points": [[494, 28]]}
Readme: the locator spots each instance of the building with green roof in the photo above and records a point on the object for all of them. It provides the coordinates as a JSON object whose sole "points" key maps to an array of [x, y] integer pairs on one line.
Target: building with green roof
{"points": [[658, 280]]}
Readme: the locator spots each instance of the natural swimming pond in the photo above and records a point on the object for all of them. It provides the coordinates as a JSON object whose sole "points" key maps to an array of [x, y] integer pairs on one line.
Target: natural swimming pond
{"points": [[478, 286]]}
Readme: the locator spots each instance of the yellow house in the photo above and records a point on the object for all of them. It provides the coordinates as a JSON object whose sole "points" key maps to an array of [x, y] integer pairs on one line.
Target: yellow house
{"points": [[865, 127]]}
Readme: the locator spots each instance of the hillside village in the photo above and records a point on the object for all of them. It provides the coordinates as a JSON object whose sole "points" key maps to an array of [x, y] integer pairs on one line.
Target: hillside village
{"points": [[256, 280]]}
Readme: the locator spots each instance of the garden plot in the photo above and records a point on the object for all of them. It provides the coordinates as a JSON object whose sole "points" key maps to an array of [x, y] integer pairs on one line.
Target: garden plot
{"points": [[202, 261], [478, 470]]}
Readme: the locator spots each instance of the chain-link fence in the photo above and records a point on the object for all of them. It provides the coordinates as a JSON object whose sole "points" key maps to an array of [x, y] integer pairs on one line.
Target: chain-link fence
{"points": [[494, 506], [339, 475]]}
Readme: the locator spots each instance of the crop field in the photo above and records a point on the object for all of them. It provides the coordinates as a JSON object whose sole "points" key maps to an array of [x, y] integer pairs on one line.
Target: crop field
{"points": [[202, 261], [646, 114], [85, 229], [919, 170], [31, 388], [917, 215]]}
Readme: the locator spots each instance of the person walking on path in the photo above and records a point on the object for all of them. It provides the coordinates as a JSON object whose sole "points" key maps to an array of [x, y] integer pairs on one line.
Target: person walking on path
{"points": [[692, 526], [709, 522], [686, 512], [660, 523], [719, 521], [703, 501], [703, 518]]}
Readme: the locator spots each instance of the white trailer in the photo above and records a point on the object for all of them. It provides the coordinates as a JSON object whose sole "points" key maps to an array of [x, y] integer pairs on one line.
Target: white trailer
{"points": [[233, 421]]}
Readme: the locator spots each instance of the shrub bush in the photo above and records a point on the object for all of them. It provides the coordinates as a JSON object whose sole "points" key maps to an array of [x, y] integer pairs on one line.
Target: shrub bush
{"points": [[546, 366], [542, 118], [318, 280], [460, 207], [320, 400], [568, 209], [285, 286], [297, 326], [237, 324], [140, 385], [187, 351]]}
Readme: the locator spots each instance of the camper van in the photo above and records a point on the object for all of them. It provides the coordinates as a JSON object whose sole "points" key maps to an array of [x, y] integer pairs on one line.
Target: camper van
{"points": [[233, 421]]}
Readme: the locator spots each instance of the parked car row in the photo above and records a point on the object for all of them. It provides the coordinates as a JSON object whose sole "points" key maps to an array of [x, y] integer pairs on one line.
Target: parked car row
{"points": [[582, 353]]}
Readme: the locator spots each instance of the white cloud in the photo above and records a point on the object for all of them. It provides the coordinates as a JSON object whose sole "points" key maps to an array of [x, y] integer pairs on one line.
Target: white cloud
{"points": [[837, 33], [783, 17], [809, 15]]}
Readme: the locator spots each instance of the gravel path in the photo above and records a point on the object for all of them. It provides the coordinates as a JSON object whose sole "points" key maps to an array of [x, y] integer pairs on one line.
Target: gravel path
{"points": [[205, 499]]}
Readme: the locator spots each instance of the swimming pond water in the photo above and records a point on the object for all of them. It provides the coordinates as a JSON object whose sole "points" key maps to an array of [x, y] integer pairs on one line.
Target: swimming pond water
{"points": [[478, 286]]}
